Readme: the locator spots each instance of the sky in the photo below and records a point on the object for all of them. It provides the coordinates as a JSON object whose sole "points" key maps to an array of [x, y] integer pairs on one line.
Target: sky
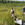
{"points": [[17, 0]]}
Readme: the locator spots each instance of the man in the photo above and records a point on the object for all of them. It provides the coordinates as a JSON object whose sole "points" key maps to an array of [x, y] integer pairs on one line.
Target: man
{"points": [[23, 14], [24, 9], [12, 12]]}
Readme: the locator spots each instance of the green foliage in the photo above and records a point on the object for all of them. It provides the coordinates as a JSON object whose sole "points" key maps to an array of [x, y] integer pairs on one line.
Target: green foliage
{"points": [[5, 16]]}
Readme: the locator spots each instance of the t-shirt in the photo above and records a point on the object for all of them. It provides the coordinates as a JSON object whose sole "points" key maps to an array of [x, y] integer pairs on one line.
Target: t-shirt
{"points": [[12, 11]]}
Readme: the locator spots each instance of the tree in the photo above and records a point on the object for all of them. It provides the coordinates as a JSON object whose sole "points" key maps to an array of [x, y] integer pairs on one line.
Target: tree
{"points": [[2, 1]]}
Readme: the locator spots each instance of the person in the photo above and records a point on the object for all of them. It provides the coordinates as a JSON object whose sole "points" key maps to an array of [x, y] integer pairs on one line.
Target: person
{"points": [[23, 14], [12, 12], [24, 9], [15, 20]]}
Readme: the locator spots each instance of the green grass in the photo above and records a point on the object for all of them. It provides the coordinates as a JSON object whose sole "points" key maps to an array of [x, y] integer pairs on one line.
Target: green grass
{"points": [[5, 16]]}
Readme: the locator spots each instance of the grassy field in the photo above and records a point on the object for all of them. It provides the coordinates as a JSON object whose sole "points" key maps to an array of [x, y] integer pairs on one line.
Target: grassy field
{"points": [[5, 16]]}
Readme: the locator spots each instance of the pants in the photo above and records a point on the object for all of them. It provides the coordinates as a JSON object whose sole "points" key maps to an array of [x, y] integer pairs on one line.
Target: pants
{"points": [[24, 15], [16, 24]]}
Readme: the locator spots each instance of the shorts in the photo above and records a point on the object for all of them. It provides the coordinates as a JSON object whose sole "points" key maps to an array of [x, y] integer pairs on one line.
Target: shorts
{"points": [[12, 15]]}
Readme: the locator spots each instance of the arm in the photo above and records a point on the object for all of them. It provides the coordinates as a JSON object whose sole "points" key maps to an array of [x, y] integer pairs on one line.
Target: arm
{"points": [[10, 12]]}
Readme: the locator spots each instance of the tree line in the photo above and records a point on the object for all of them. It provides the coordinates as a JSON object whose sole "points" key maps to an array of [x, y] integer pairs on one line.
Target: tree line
{"points": [[11, 1]]}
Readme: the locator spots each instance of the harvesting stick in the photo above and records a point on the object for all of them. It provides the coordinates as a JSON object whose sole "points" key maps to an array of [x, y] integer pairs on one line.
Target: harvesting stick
{"points": [[19, 4]]}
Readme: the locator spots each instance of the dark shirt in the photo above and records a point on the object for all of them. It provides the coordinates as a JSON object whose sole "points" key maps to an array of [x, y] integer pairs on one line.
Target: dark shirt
{"points": [[15, 18], [12, 12], [23, 9]]}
